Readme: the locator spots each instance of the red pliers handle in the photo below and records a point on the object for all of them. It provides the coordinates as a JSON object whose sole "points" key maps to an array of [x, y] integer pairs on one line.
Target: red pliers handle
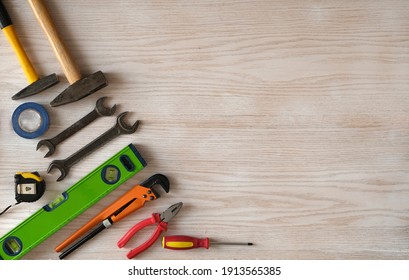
{"points": [[162, 227], [162, 219]]}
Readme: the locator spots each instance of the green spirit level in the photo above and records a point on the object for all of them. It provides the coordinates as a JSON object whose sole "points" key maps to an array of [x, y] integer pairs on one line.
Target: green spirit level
{"points": [[78, 198]]}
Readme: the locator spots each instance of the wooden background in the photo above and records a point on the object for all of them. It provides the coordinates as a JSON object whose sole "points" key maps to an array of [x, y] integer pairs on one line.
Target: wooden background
{"points": [[283, 123]]}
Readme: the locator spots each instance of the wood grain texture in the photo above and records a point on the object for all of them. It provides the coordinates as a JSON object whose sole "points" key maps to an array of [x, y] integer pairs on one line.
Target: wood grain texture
{"points": [[283, 123]]}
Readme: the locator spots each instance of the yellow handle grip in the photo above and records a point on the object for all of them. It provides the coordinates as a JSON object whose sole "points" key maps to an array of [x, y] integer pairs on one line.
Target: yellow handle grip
{"points": [[25, 63], [177, 245], [183, 242]]}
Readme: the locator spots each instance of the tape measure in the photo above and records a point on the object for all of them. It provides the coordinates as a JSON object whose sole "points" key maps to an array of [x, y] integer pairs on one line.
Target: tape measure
{"points": [[67, 206], [29, 187]]}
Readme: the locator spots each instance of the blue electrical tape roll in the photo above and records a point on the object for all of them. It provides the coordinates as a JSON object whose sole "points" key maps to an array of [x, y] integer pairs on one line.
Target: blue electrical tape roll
{"points": [[18, 124]]}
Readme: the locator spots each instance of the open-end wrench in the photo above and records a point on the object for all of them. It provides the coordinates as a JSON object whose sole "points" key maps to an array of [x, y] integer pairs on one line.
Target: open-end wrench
{"points": [[99, 111], [118, 129]]}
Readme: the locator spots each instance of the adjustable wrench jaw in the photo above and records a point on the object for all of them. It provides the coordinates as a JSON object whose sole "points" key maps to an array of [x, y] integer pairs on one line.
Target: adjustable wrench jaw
{"points": [[136, 197], [155, 181]]}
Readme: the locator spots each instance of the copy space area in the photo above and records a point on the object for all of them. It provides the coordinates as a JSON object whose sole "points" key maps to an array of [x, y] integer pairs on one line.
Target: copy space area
{"points": [[282, 123]]}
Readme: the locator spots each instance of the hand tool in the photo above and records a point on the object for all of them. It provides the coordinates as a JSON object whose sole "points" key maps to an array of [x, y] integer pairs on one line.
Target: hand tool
{"points": [[99, 111], [183, 242], [131, 201], [80, 86], [30, 120], [71, 203], [118, 129], [162, 219], [28, 187], [36, 84]]}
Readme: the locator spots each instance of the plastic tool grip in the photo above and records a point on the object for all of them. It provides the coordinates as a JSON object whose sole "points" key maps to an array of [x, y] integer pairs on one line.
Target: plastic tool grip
{"points": [[134, 252], [5, 19], [155, 218], [22, 57], [8, 29], [183, 242]]}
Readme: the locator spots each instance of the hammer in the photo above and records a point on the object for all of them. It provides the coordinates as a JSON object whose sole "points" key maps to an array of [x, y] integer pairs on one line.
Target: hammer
{"points": [[36, 84], [80, 86]]}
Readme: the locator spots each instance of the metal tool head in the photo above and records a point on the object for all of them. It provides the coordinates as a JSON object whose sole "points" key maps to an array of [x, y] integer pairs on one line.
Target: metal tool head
{"points": [[60, 165], [37, 87], [103, 110], [171, 212], [48, 144], [80, 89], [155, 181], [123, 126], [5, 19]]}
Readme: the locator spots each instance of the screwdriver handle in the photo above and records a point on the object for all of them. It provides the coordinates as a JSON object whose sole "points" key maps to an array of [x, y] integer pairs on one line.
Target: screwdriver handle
{"points": [[183, 242]]}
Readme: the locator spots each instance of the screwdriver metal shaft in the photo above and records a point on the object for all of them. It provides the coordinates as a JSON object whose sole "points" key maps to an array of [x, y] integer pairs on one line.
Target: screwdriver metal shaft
{"points": [[183, 242], [231, 243]]}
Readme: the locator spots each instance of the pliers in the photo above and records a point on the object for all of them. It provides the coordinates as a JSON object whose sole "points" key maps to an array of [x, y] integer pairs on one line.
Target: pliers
{"points": [[131, 201], [162, 219]]}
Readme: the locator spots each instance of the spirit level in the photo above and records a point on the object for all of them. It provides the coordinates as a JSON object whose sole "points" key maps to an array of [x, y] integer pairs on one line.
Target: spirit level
{"points": [[78, 198]]}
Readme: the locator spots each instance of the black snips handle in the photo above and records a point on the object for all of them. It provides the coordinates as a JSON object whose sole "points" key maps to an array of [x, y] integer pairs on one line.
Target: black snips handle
{"points": [[5, 19]]}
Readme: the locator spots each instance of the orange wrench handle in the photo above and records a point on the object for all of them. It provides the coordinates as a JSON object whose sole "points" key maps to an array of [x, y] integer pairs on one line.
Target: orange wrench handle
{"points": [[133, 199]]}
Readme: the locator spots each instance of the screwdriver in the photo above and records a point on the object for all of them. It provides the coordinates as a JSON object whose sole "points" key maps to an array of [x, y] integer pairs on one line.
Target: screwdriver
{"points": [[183, 242]]}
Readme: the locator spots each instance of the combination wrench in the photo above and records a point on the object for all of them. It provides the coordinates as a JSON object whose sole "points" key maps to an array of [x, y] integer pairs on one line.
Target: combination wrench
{"points": [[99, 111], [118, 129]]}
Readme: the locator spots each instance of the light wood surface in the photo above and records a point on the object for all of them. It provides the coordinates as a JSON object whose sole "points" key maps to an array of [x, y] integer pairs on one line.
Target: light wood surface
{"points": [[283, 123]]}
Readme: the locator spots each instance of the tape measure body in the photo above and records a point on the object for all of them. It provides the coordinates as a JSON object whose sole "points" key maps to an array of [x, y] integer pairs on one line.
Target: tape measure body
{"points": [[29, 186]]}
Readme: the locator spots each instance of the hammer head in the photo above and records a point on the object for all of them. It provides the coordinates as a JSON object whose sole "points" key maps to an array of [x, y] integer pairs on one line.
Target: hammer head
{"points": [[37, 87], [80, 89]]}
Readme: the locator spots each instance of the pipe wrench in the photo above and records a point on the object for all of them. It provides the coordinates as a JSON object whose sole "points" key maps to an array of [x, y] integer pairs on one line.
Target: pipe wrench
{"points": [[129, 202]]}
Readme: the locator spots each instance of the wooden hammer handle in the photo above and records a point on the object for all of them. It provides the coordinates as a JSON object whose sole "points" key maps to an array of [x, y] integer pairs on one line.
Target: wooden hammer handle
{"points": [[70, 69]]}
